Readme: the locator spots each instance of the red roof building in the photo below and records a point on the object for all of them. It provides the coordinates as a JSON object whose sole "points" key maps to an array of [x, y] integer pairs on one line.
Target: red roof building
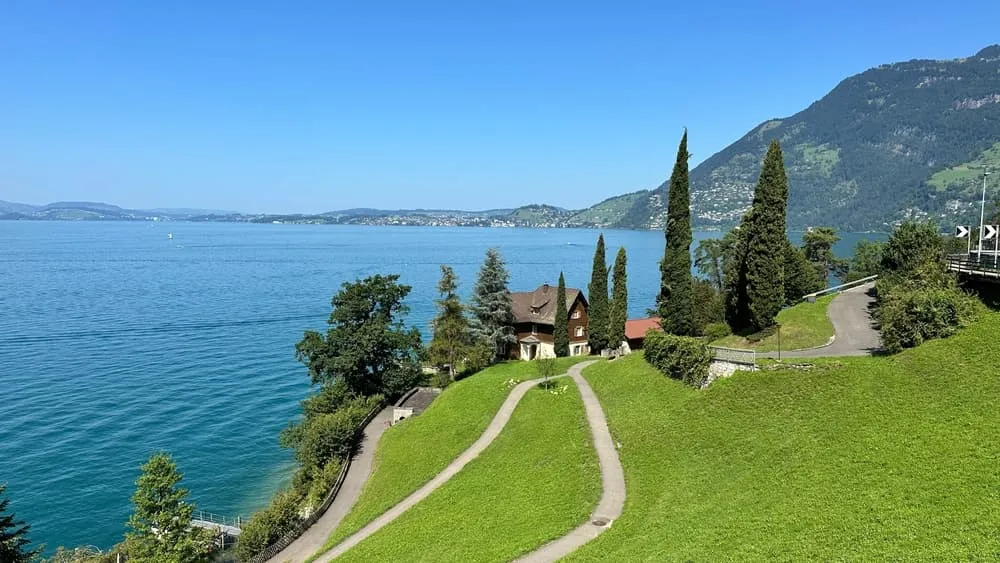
{"points": [[636, 329]]}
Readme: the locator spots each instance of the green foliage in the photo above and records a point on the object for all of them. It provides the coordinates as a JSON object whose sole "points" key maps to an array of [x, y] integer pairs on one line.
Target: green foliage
{"points": [[801, 276], [804, 325], [560, 328], [817, 244], [765, 238], [598, 298], [13, 535], [452, 335], [674, 301], [619, 301], [161, 523], [268, 526], [715, 331], [322, 482], [708, 306], [907, 318], [332, 436], [867, 260], [546, 367], [492, 309], [367, 344], [709, 259], [680, 357], [910, 247], [735, 283]]}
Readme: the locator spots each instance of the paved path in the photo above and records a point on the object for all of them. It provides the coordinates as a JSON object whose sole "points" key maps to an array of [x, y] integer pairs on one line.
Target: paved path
{"points": [[357, 475], [852, 325], [612, 481], [490, 434]]}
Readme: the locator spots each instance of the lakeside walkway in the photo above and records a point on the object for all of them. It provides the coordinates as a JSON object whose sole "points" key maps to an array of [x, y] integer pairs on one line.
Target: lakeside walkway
{"points": [[612, 476], [853, 328], [357, 475]]}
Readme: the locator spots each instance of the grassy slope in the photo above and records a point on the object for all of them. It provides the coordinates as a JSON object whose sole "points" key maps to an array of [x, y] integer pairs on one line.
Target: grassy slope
{"points": [[803, 326], [411, 454], [859, 459], [537, 481], [968, 176]]}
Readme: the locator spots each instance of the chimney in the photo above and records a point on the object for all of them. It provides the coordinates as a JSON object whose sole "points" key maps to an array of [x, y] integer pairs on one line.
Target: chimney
{"points": [[545, 288]]}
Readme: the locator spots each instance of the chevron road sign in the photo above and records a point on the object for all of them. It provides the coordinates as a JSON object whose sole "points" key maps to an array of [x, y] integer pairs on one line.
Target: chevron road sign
{"points": [[990, 231], [961, 231]]}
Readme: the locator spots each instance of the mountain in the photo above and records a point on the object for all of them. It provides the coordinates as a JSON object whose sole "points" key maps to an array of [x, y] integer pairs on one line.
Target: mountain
{"points": [[900, 140]]}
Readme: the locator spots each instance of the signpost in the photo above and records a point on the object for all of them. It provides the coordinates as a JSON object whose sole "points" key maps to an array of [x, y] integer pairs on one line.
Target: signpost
{"points": [[961, 231]]}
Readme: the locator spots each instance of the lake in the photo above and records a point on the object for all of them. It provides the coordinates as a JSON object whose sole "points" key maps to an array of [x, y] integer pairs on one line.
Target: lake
{"points": [[116, 341]]}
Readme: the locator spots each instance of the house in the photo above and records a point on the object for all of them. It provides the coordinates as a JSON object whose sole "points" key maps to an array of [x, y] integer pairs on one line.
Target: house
{"points": [[534, 320], [636, 329]]}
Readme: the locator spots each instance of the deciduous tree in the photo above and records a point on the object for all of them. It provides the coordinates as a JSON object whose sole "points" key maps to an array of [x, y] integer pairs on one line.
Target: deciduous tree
{"points": [[560, 327], [817, 245], [674, 300], [598, 297], [493, 311], [619, 301], [709, 259]]}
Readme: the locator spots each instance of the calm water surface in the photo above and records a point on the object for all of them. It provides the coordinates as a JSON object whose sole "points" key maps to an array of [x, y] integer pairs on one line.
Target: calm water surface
{"points": [[116, 341]]}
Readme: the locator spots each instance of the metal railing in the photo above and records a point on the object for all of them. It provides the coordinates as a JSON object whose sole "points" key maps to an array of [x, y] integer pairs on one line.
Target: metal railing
{"points": [[734, 355], [985, 266], [286, 540], [840, 287], [231, 521]]}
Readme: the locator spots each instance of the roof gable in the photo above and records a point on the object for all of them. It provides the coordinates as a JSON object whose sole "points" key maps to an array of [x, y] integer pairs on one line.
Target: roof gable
{"points": [[539, 306]]}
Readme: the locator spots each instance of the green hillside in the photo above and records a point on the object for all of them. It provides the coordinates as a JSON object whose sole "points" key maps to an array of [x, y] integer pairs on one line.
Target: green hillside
{"points": [[895, 141], [606, 213]]}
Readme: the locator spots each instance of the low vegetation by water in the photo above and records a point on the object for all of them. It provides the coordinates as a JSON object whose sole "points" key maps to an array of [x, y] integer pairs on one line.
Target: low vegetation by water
{"points": [[537, 481], [805, 325], [411, 454]]}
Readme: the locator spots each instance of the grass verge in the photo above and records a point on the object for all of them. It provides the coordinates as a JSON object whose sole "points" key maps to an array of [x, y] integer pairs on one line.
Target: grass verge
{"points": [[803, 326], [537, 481], [411, 453], [884, 458]]}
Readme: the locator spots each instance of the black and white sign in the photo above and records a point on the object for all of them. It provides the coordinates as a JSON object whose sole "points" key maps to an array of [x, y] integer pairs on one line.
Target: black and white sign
{"points": [[961, 231], [989, 231]]}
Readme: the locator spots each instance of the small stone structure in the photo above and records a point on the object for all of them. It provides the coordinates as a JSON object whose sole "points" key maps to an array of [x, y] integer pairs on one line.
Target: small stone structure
{"points": [[414, 402], [727, 361]]}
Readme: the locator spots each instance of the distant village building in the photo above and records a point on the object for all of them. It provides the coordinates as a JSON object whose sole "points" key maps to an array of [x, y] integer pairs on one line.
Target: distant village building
{"points": [[534, 322], [636, 329]]}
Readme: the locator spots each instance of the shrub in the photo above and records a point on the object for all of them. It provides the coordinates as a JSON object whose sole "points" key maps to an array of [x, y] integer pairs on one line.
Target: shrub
{"points": [[332, 436], [269, 525], [715, 331], [909, 316], [679, 357], [322, 482]]}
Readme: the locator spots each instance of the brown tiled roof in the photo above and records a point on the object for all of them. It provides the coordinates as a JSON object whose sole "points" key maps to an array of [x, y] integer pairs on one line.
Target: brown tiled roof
{"points": [[637, 328], [539, 306]]}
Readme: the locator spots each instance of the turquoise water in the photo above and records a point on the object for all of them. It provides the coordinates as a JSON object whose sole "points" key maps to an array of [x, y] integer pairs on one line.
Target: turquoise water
{"points": [[116, 341]]}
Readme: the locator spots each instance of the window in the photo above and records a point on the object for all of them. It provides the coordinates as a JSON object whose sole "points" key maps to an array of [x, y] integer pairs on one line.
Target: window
{"points": [[579, 331], [534, 328], [576, 314]]}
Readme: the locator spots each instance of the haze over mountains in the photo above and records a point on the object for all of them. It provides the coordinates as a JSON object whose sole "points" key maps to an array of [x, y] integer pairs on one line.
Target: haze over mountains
{"points": [[902, 140]]}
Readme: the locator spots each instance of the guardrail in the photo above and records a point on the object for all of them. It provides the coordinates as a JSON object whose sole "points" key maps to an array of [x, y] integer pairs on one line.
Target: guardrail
{"points": [[286, 540], [233, 521], [841, 287], [734, 355], [965, 264]]}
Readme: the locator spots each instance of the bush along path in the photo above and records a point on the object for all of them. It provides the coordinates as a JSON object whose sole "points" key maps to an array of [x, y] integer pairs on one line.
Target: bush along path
{"points": [[612, 497], [357, 474]]}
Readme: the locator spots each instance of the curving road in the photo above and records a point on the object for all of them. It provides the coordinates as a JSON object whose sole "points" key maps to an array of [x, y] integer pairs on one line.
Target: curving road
{"points": [[852, 325], [612, 477]]}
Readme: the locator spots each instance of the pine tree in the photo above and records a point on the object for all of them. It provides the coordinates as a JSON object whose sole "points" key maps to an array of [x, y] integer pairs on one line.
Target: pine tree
{"points": [[493, 321], [619, 301], [451, 328], [674, 300], [598, 296], [161, 524], [560, 327], [767, 241], [13, 535]]}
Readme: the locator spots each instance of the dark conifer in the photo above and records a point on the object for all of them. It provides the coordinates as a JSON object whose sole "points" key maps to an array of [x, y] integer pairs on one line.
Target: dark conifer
{"points": [[619, 301], [13, 535], [766, 241], [598, 297], [561, 325], [674, 300]]}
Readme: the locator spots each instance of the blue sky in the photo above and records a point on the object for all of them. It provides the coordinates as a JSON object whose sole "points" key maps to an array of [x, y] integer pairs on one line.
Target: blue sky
{"points": [[312, 106]]}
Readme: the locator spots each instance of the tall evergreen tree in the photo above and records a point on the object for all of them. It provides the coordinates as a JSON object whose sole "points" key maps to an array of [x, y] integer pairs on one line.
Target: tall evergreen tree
{"points": [[735, 285], [619, 300], [161, 524], [13, 535], [766, 241], [598, 297], [560, 327], [451, 328], [493, 311], [674, 300]]}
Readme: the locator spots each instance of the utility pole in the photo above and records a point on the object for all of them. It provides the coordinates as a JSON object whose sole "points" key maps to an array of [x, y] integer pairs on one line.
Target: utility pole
{"points": [[982, 217]]}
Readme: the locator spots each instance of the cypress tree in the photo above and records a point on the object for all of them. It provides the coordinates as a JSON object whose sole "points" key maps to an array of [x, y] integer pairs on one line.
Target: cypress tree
{"points": [[674, 300], [492, 309], [619, 301], [598, 295], [561, 325], [13, 535], [766, 241], [737, 302]]}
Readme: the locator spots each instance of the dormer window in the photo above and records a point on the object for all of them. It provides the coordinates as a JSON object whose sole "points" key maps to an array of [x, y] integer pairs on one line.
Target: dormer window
{"points": [[535, 310], [576, 314]]}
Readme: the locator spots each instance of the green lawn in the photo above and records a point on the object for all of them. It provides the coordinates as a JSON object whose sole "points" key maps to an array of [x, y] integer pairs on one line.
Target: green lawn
{"points": [[886, 458], [537, 481], [411, 453], [803, 326]]}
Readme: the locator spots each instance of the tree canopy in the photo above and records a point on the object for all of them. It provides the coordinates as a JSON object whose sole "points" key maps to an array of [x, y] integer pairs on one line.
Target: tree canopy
{"points": [[492, 309], [619, 301], [13, 535], [452, 336], [560, 328], [674, 300], [598, 297]]}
